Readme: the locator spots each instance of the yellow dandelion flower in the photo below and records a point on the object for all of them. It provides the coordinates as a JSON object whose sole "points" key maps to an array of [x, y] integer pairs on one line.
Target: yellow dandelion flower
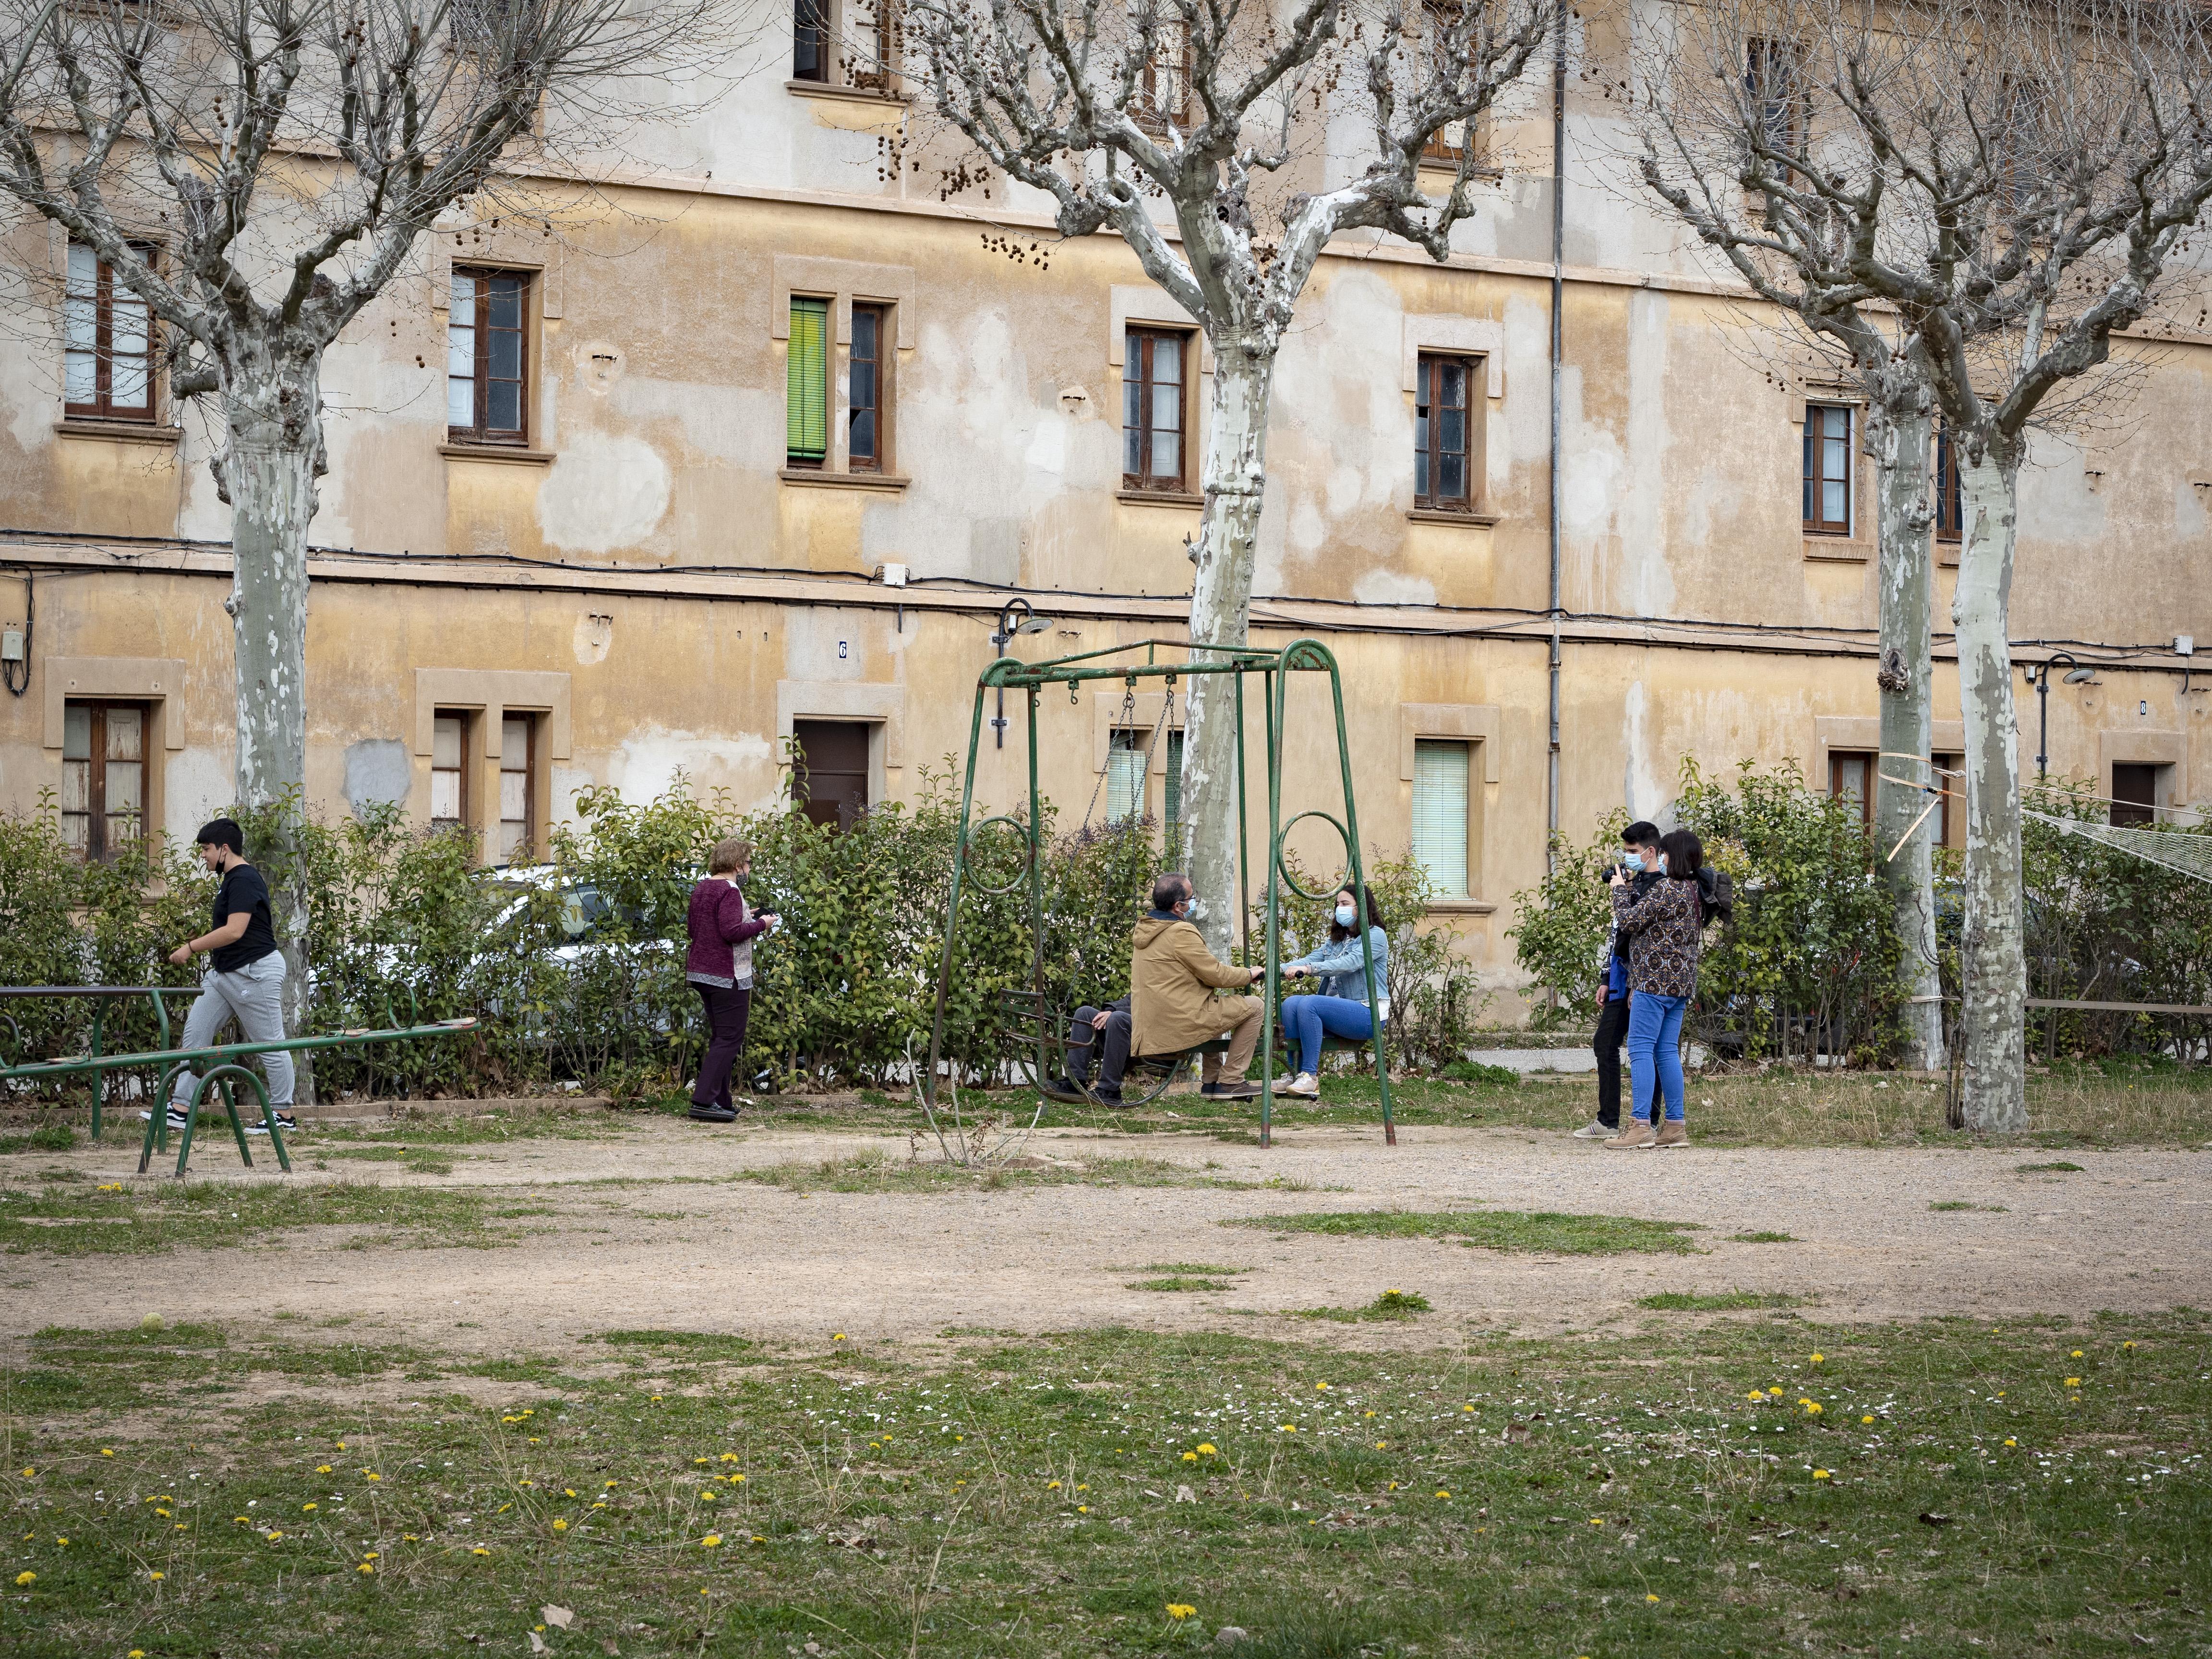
{"points": [[23, 1578], [1466, 1408], [706, 1497], [2127, 1344], [568, 1491], [107, 1451], [366, 1566], [1180, 1611], [372, 1475], [560, 1526], [27, 1474], [1820, 1474], [1597, 1521], [1082, 1509], [839, 1337], [2011, 1443], [729, 1457], [1755, 1395], [64, 1542], [157, 1576], [1206, 1449], [306, 1509], [712, 1541], [1869, 1417], [1382, 1445], [1440, 1492], [1290, 1428], [1052, 1485], [1818, 1358], [609, 1487], [1322, 1386], [1650, 1598], [2076, 1354], [2073, 1381], [322, 1468], [480, 1550], [1774, 1391], [272, 1536], [342, 1444], [1190, 1457]]}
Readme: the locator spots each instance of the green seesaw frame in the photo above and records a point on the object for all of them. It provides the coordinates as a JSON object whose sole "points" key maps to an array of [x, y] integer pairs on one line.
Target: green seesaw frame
{"points": [[224, 1076], [1274, 669]]}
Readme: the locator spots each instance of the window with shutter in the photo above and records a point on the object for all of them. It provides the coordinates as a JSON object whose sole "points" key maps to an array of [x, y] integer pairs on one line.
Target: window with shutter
{"points": [[1125, 776], [807, 412], [1440, 814], [1172, 808]]}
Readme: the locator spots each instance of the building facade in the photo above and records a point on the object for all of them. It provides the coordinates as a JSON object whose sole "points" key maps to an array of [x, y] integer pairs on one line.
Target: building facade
{"points": [[635, 498]]}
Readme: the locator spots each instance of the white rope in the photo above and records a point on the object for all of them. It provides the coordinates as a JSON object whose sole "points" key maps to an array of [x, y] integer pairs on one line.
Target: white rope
{"points": [[2175, 850]]}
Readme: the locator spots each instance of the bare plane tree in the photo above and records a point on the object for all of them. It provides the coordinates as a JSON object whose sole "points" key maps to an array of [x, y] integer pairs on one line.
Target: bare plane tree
{"points": [[1726, 115], [1215, 110], [255, 172], [2014, 181]]}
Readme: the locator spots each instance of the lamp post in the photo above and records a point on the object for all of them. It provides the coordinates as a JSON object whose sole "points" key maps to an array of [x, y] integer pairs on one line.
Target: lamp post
{"points": [[1030, 623], [2039, 676]]}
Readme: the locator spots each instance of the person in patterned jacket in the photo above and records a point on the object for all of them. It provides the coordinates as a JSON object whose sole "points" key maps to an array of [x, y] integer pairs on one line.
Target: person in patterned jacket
{"points": [[1664, 924]]}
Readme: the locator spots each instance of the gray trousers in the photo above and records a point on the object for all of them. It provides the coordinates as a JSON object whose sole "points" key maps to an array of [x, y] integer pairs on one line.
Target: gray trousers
{"points": [[254, 996]]}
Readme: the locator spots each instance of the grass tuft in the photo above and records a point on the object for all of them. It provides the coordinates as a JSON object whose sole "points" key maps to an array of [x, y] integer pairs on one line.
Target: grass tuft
{"points": [[2061, 1167], [1953, 1204], [1762, 1238], [1548, 1232], [1719, 1301]]}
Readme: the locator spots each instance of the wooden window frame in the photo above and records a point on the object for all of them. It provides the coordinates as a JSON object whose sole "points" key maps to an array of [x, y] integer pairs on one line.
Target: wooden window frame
{"points": [[102, 405], [525, 850], [1138, 342], [2148, 810], [1759, 51], [811, 18], [96, 847], [1151, 112], [480, 435], [464, 794], [886, 324], [1866, 757], [1951, 815], [1427, 373], [1950, 502], [1812, 478], [883, 27]]}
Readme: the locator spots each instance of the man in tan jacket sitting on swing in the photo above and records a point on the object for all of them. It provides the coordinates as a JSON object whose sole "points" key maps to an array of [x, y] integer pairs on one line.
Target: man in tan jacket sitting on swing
{"points": [[1172, 981]]}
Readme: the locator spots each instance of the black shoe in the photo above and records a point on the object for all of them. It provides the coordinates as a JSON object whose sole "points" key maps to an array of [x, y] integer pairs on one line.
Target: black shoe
{"points": [[1107, 1097], [1229, 1090], [285, 1122], [712, 1114]]}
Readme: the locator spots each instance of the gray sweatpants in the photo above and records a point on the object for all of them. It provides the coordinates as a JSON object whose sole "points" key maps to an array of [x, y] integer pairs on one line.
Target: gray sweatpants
{"points": [[254, 997]]}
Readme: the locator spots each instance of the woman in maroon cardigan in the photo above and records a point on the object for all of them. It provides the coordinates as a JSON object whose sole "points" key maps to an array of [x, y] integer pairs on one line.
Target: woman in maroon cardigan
{"points": [[720, 966]]}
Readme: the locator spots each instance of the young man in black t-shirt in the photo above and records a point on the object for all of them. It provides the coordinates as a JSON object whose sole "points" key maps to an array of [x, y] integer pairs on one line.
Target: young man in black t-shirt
{"points": [[245, 980]]}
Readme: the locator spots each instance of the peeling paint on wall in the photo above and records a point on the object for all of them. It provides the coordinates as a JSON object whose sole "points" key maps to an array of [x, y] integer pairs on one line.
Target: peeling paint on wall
{"points": [[602, 493]]}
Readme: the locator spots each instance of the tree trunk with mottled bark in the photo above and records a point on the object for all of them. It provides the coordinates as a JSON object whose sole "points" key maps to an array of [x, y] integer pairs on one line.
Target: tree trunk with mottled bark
{"points": [[1994, 953], [1901, 438], [268, 470], [1220, 602]]}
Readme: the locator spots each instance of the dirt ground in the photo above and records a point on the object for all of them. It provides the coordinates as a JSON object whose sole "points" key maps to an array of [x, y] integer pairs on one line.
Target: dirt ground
{"points": [[2128, 1233]]}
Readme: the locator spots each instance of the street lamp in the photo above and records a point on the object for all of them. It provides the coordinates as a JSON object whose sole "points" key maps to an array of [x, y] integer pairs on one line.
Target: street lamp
{"points": [[2039, 676], [1031, 623]]}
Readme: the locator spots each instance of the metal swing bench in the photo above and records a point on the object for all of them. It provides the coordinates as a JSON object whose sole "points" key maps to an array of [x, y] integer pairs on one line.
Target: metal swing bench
{"points": [[1027, 1018], [224, 1076]]}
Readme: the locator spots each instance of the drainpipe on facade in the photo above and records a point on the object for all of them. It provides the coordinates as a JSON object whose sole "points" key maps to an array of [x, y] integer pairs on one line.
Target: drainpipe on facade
{"points": [[1558, 293]]}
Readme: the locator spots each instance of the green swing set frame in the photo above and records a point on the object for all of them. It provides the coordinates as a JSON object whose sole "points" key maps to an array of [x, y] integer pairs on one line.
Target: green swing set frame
{"points": [[1274, 669]]}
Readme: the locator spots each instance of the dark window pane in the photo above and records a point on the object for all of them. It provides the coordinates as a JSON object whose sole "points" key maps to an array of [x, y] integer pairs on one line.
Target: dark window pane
{"points": [[1452, 471], [1452, 439], [864, 434], [864, 385], [506, 355], [505, 302], [1421, 474], [1453, 392], [505, 414], [864, 331]]}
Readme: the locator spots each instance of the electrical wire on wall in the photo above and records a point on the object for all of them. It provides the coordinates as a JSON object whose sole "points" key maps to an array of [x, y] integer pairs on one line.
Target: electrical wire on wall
{"points": [[15, 645]]}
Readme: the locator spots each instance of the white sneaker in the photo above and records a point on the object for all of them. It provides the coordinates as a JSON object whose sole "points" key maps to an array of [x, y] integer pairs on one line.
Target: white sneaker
{"points": [[1595, 1130], [1305, 1085]]}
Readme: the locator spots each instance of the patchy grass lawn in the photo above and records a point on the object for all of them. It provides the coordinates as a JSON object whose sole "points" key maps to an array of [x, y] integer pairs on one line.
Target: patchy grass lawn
{"points": [[1741, 1488], [1547, 1232], [155, 1217], [882, 1172]]}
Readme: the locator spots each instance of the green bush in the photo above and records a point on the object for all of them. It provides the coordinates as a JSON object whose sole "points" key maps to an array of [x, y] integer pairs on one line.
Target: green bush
{"points": [[1808, 964]]}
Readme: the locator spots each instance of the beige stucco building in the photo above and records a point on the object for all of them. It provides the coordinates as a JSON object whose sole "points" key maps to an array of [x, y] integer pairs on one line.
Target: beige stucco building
{"points": [[574, 530]]}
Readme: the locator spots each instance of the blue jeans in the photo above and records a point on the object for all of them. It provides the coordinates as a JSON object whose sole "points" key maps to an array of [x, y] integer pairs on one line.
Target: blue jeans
{"points": [[1655, 1052], [1306, 1018]]}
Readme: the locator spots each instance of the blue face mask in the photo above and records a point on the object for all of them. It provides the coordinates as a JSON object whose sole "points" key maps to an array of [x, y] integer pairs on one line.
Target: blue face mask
{"points": [[1344, 915]]}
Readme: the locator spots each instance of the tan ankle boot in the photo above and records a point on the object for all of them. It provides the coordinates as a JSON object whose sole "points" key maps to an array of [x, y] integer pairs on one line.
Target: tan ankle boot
{"points": [[1635, 1133], [1672, 1133]]}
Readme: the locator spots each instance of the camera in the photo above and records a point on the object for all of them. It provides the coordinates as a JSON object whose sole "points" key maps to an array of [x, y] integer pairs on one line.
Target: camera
{"points": [[1624, 864]]}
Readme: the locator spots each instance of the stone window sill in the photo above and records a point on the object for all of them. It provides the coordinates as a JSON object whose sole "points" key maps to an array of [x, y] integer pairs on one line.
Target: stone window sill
{"points": [[1838, 549], [805, 478], [1460, 907], [1487, 172], [1158, 498], [1439, 515], [1948, 552], [849, 94], [119, 431], [498, 454]]}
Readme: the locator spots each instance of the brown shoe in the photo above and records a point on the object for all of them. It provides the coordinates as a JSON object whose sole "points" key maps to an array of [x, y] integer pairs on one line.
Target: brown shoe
{"points": [[1672, 1133], [1635, 1134]]}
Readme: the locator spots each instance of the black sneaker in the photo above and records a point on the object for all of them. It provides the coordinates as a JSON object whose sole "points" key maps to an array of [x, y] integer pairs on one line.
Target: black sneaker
{"points": [[1229, 1090], [1107, 1097], [285, 1122], [712, 1114]]}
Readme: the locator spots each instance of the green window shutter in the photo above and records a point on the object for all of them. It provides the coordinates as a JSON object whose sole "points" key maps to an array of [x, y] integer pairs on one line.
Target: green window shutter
{"points": [[1172, 809], [807, 409], [1125, 777], [1440, 806]]}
